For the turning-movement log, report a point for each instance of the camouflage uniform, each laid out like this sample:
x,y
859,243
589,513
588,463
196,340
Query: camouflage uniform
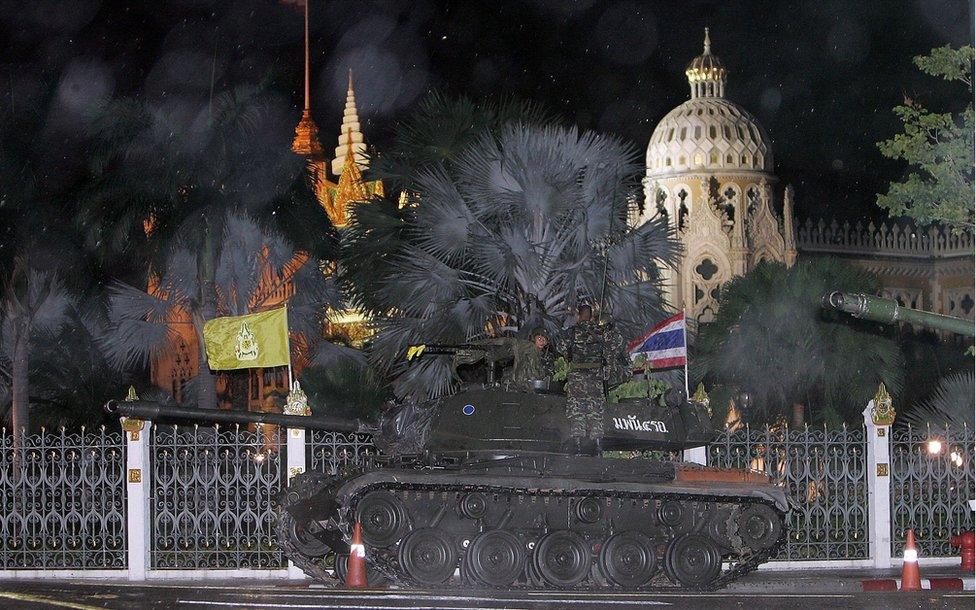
x,y
585,347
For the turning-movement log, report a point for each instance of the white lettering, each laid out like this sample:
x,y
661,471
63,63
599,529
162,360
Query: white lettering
x,y
632,423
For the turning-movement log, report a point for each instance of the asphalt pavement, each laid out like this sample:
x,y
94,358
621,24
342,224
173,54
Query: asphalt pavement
x,y
249,595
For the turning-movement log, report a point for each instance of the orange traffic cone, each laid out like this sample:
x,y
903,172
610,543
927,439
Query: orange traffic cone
x,y
911,579
356,565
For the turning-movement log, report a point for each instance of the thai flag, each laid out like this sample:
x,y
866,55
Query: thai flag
x,y
662,347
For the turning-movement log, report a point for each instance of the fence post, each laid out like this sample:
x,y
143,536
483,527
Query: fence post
x,y
137,481
698,455
878,417
296,466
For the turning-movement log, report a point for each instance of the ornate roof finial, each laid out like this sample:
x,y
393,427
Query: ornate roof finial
x,y
306,142
350,137
705,73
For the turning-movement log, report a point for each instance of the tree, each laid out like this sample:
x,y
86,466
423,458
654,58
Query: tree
x,y
509,236
244,269
434,135
938,147
773,340
951,404
34,302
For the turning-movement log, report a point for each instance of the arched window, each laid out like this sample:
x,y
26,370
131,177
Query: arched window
x,y
711,132
684,132
698,159
698,132
668,162
681,161
713,158
728,159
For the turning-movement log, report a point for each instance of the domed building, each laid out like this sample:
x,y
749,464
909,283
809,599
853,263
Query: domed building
x,y
710,171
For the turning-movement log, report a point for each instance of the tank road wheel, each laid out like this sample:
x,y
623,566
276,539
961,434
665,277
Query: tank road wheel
x,y
383,518
473,505
562,558
428,556
676,515
495,558
760,527
694,560
628,559
589,510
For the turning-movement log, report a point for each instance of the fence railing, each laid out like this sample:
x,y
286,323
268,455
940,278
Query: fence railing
x,y
64,504
209,493
824,474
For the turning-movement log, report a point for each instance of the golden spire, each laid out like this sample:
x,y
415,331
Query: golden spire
x,y
350,137
351,188
306,142
707,47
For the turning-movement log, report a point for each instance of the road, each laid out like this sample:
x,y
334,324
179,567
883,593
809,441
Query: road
x,y
202,595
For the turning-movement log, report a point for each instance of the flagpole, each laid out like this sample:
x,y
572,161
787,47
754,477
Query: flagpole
x,y
288,344
684,330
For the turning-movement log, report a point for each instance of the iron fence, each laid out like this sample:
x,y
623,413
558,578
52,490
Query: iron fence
x,y
330,451
211,499
63,501
824,474
930,487
212,491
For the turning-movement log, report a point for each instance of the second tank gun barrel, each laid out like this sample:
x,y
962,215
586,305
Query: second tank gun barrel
x,y
149,410
888,311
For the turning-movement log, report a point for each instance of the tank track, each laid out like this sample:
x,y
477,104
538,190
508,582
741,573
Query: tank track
x,y
384,561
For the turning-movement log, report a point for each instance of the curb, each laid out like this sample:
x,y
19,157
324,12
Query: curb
x,y
943,584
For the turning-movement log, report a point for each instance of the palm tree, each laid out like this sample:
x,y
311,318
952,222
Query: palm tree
x,y
772,340
511,235
434,135
248,268
154,166
34,302
951,404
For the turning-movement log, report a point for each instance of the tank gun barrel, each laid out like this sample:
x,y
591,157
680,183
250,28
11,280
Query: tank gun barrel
x,y
888,311
145,409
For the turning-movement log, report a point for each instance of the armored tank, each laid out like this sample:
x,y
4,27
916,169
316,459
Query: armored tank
x,y
476,490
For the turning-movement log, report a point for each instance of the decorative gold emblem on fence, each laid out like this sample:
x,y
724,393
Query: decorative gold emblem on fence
x,y
883,412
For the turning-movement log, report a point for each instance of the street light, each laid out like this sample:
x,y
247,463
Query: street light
x,y
934,446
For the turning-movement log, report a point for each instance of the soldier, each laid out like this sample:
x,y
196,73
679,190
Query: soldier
x,y
585,347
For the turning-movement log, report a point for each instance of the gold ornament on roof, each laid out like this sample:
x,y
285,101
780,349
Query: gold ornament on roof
x,y
131,396
883,412
297,402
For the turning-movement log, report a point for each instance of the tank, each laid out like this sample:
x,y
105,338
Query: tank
x,y
888,311
476,489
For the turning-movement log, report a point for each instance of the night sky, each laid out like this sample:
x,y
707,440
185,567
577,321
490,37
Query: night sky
x,y
821,76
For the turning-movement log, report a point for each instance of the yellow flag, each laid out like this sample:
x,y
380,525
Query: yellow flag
x,y
244,342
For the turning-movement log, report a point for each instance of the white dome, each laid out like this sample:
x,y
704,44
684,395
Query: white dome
x,y
708,132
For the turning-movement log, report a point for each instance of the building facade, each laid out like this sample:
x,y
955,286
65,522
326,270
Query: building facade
x,y
710,171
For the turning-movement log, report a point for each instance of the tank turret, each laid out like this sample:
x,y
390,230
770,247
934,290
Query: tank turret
x,y
888,311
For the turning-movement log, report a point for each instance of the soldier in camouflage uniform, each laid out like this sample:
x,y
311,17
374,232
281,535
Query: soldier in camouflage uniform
x,y
533,359
587,348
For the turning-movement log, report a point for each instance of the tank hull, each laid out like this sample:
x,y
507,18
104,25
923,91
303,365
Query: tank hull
x,y
543,521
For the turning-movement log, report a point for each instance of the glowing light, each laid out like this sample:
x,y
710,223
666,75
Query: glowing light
x,y
911,555
259,457
934,446
954,456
